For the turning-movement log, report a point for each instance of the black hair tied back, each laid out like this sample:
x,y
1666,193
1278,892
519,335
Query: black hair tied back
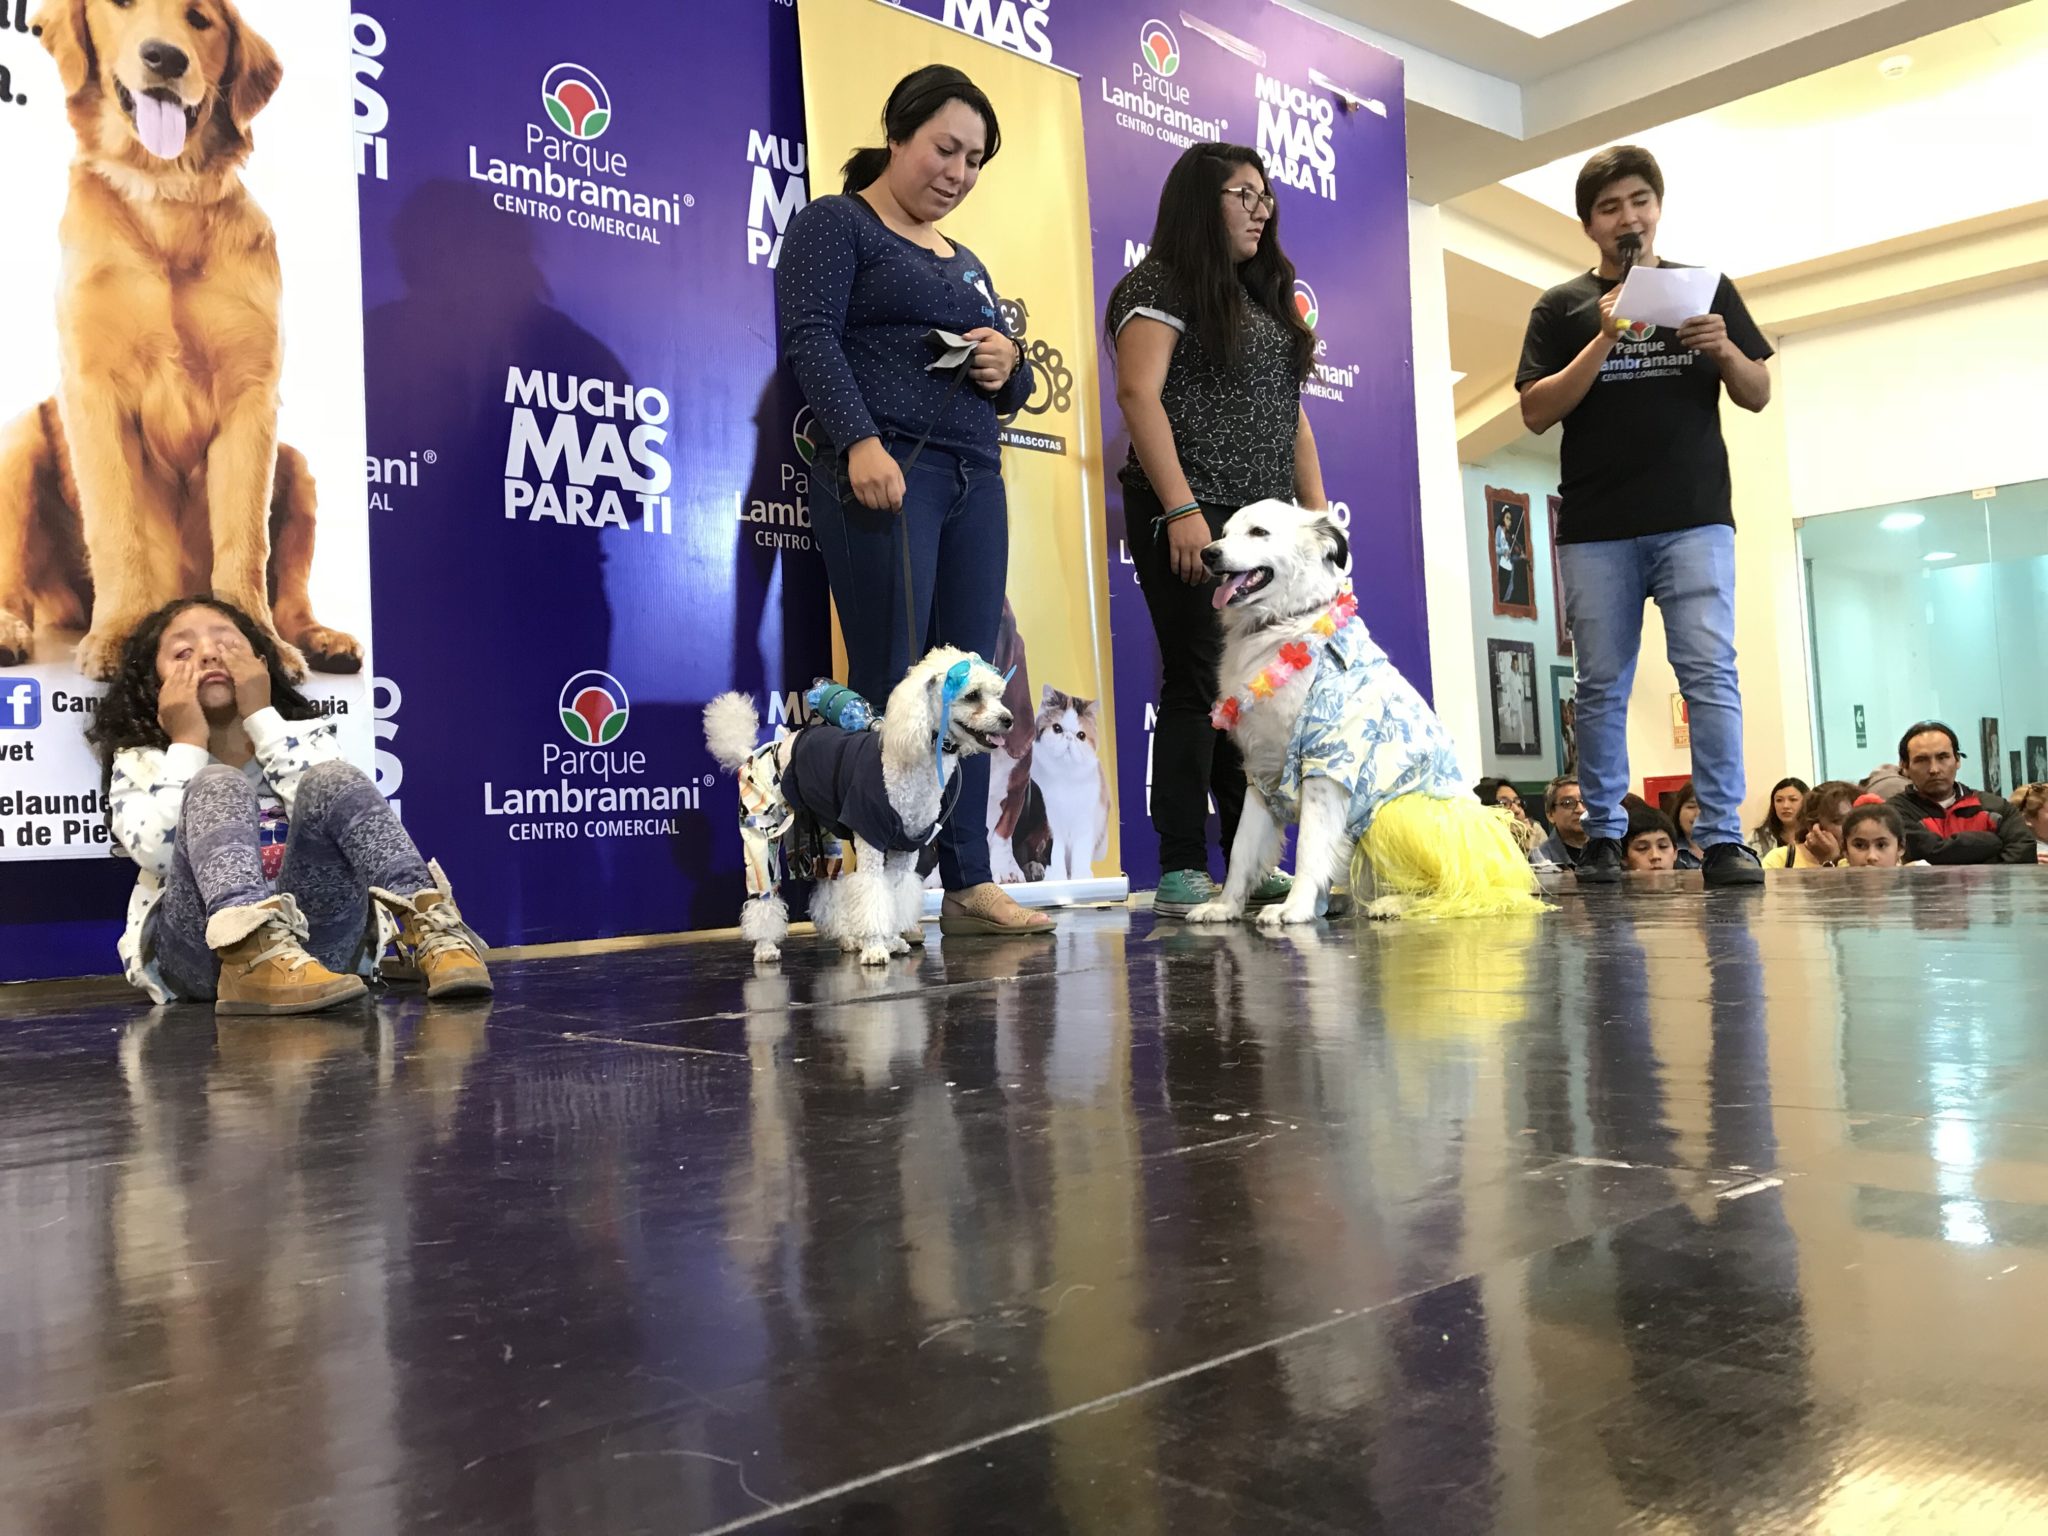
x,y
919,97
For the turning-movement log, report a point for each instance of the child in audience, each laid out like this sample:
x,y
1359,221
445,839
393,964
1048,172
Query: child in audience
x,y
1652,845
2030,804
1873,836
272,873
1817,840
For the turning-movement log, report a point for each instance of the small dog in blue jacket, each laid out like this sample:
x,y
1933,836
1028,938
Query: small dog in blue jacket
x,y
888,788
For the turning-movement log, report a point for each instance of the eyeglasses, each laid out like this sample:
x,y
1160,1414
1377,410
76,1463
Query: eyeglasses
x,y
1251,199
1569,803
1509,800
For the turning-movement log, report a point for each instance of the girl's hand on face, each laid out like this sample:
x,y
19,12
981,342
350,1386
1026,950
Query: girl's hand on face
x,y
177,705
252,677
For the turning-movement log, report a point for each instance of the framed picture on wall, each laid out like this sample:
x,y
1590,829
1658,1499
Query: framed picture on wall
x,y
1511,680
1509,565
1564,717
2037,759
2018,777
1564,626
1994,759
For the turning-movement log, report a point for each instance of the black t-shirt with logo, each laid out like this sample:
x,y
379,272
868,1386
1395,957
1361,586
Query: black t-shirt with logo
x,y
1642,452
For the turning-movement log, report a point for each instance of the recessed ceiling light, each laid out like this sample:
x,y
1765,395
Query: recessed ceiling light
x,y
1934,555
1901,522
1895,66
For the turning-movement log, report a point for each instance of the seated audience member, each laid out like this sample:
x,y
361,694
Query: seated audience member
x,y
270,872
1817,840
1565,809
1885,780
1504,794
1947,822
1873,837
1781,823
1652,842
1685,815
1528,836
2030,805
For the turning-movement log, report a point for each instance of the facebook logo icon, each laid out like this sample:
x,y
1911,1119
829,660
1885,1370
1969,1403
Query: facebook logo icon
x,y
21,704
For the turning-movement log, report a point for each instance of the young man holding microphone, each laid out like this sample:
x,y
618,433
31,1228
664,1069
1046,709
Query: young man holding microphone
x,y
1647,509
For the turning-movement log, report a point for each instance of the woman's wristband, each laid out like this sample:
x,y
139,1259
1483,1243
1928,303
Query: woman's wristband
x,y
1188,509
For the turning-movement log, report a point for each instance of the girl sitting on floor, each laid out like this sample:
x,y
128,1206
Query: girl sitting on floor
x,y
1873,836
272,872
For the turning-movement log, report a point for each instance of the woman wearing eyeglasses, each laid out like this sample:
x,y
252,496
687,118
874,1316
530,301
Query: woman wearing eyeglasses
x,y
1211,354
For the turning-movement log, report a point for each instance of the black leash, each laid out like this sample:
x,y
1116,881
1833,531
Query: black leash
x,y
910,655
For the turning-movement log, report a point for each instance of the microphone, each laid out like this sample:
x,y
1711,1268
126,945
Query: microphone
x,y
1631,248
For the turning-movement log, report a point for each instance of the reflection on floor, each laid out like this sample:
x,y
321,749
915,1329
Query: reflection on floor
x,y
1668,1212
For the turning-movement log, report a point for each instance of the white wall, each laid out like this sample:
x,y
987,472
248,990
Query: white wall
x,y
1458,692
1535,476
1869,643
1961,644
1923,402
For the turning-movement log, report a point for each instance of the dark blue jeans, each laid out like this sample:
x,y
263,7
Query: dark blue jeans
x,y
959,524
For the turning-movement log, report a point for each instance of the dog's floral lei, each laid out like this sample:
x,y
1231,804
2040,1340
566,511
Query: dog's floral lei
x,y
1295,657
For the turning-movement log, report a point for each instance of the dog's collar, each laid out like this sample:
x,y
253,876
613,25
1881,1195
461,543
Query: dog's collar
x,y
1295,657
1302,613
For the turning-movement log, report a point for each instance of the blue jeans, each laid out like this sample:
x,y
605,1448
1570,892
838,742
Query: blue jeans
x,y
959,525
1691,575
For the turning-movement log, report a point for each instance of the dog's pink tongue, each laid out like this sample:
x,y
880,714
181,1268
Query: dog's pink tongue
x,y
160,125
1229,588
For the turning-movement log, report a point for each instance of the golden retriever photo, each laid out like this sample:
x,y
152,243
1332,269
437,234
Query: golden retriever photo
x,y
156,470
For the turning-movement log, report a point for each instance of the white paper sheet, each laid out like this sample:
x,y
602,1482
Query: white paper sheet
x,y
1666,295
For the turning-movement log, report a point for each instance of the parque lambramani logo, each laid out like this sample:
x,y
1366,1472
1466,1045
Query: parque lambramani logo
x,y
577,101
1305,304
594,708
804,430
1159,47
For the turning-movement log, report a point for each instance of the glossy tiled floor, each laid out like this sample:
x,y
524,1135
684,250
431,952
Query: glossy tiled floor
x,y
1666,1213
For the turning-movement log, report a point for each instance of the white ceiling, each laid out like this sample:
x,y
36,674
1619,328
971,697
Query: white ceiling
x,y
1830,189
1488,100
1486,34
1846,158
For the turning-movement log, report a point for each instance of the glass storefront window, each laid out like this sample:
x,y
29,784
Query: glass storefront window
x,y
1933,609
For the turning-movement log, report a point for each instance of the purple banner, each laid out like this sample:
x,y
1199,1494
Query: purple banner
x,y
590,507
1325,110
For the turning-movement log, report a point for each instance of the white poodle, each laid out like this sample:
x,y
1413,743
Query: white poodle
x,y
1334,737
889,789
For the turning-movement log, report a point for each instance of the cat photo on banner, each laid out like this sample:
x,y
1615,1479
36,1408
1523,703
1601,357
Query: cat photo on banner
x,y
1049,791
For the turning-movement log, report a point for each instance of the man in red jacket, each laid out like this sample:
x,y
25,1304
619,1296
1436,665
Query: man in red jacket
x,y
1947,822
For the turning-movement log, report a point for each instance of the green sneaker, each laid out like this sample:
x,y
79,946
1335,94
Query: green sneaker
x,y
1183,890
1271,891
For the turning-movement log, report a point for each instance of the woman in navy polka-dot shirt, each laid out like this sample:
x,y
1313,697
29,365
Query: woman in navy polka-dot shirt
x,y
863,280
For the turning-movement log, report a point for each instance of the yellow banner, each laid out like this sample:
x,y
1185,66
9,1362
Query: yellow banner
x,y
1027,219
